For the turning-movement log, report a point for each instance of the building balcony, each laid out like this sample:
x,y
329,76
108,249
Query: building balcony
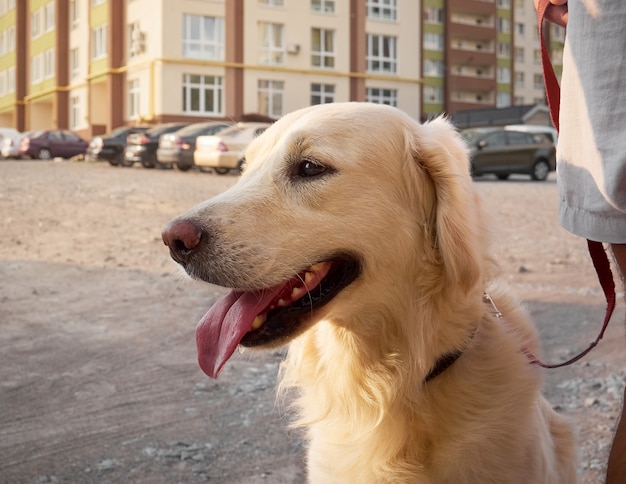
x,y
472,83
471,7
474,31
466,57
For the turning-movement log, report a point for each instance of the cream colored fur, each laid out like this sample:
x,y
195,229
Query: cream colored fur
x,y
401,197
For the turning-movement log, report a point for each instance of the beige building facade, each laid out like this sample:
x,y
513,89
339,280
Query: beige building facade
x,y
114,62
93,65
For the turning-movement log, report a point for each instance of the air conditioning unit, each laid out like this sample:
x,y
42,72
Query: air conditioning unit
x,y
293,49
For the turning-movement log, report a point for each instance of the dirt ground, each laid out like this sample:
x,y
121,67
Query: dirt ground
x,y
98,374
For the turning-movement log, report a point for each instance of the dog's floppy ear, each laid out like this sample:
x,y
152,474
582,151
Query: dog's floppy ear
x,y
442,155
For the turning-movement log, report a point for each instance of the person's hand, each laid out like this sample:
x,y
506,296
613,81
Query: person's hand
x,y
556,12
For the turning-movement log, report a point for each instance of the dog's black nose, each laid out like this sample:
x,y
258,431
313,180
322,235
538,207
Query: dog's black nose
x,y
183,238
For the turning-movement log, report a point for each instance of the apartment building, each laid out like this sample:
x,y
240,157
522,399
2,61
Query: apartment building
x,y
528,73
482,53
92,65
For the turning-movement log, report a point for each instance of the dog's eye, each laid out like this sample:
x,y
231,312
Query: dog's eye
x,y
308,169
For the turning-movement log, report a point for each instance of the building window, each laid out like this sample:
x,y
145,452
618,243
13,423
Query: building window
x,y
381,53
74,112
3,83
272,3
99,42
518,52
10,39
504,75
74,63
49,17
74,14
433,15
325,6
557,56
35,69
538,81
504,25
557,33
432,95
270,98
322,93
48,63
382,9
503,100
272,45
382,96
323,48
519,79
504,50
11,79
202,94
433,41
35,23
203,37
433,68
133,99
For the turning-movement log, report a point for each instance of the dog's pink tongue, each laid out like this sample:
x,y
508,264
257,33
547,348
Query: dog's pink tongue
x,y
222,327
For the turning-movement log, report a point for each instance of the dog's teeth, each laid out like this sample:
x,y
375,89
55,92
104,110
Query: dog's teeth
x,y
281,303
308,277
317,266
241,349
297,293
258,322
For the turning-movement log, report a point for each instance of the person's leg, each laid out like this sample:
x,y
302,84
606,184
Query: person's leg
x,y
616,468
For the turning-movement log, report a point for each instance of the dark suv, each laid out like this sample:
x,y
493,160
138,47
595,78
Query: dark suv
x,y
142,147
110,147
506,152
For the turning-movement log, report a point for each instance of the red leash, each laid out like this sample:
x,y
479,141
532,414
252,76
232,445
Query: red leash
x,y
596,249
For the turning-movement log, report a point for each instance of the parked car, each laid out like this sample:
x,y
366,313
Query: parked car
x,y
52,143
177,148
10,142
504,152
142,147
549,131
110,146
225,151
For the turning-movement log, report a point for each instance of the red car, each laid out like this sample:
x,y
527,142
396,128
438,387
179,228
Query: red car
x,y
53,143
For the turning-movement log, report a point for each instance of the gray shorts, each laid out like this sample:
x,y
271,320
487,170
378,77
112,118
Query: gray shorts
x,y
591,152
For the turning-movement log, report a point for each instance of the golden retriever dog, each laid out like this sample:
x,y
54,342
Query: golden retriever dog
x,y
355,236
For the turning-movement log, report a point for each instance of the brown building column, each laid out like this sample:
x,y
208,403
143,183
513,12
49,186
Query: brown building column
x,y
116,39
21,64
62,48
233,85
358,52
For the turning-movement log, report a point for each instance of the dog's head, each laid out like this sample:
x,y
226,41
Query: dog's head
x,y
339,204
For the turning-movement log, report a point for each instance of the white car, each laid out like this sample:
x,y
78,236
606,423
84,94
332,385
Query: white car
x,y
224,151
10,141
